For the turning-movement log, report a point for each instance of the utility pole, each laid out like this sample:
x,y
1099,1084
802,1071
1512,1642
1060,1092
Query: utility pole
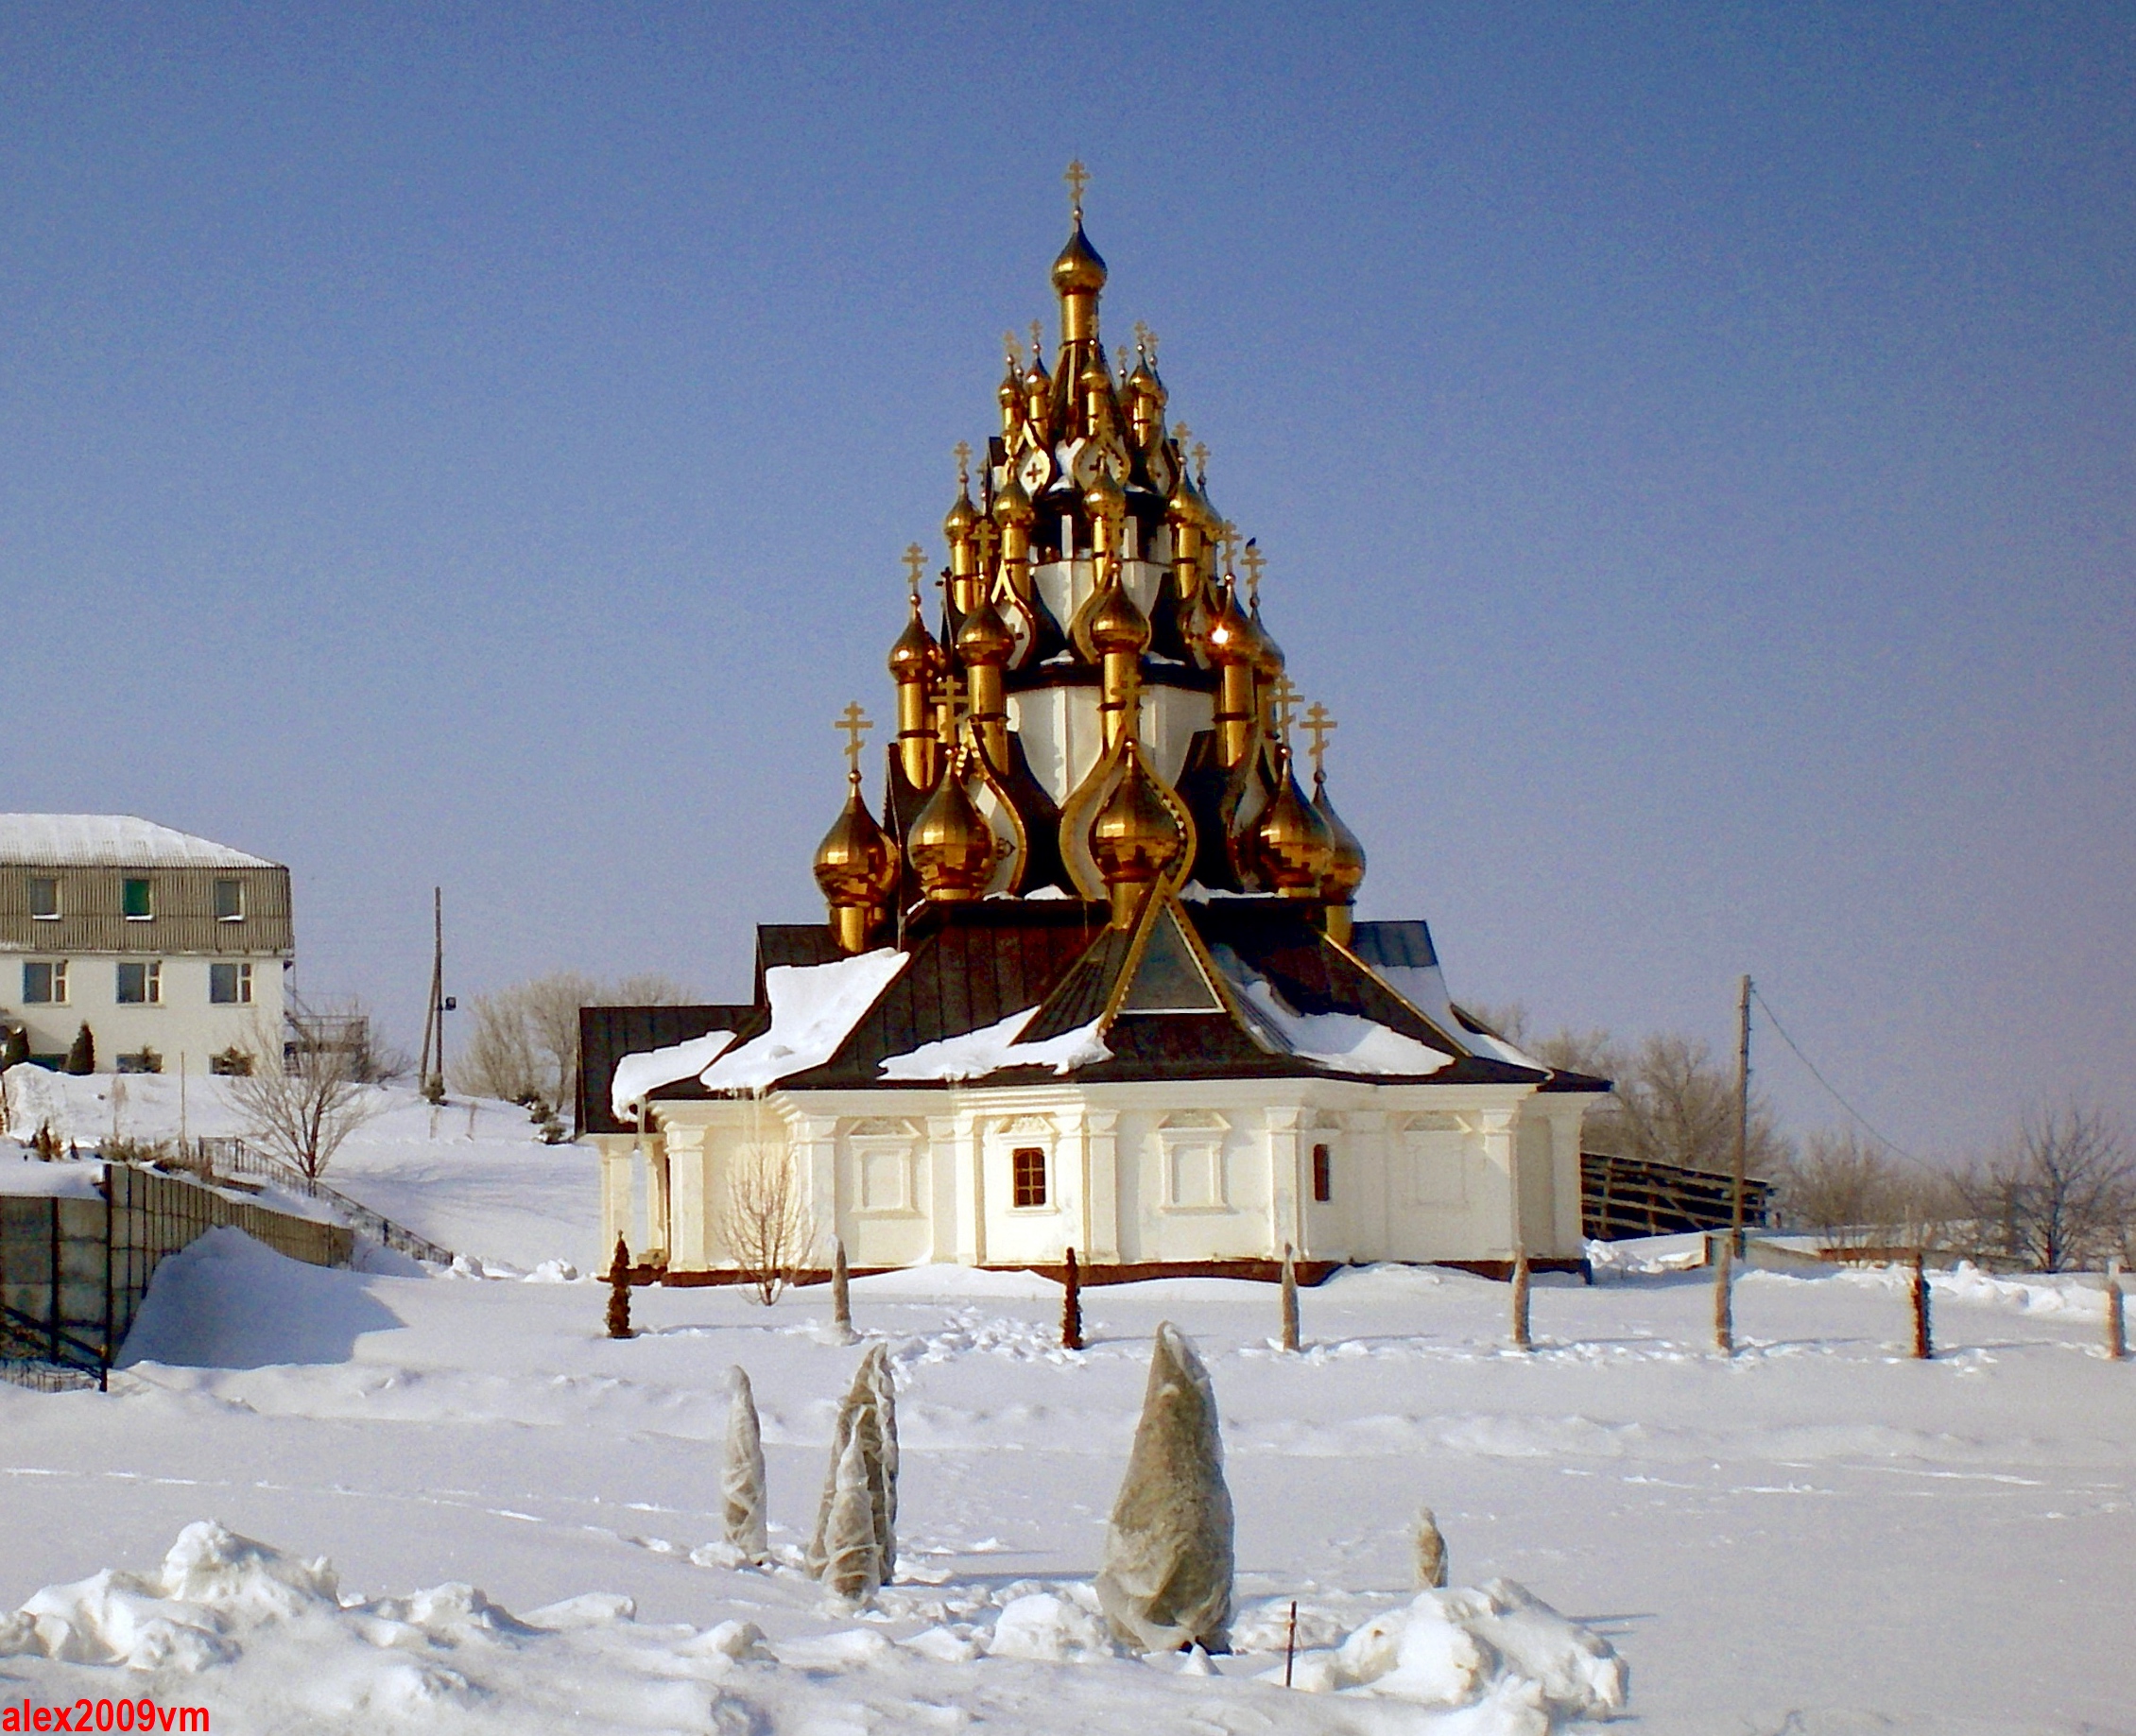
x,y
431,1070
1742,1104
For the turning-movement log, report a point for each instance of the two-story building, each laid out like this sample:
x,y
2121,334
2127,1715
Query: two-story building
x,y
170,948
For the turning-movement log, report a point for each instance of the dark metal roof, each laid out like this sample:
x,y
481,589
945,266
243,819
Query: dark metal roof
x,y
607,1034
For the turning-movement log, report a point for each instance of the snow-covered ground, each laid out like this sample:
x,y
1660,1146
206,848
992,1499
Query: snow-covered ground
x,y
1820,1536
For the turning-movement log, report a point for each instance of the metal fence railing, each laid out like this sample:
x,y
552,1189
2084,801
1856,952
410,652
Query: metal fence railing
x,y
236,1160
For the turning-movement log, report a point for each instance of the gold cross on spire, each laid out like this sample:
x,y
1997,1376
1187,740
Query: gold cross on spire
x,y
1227,534
961,451
855,724
1183,433
1253,560
1319,724
915,557
1146,342
1038,343
1077,179
957,698
1285,704
1015,353
1200,465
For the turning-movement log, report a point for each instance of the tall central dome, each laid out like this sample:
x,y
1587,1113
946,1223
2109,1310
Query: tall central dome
x,y
1090,675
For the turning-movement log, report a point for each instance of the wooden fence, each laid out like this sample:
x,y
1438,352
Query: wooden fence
x,y
1628,1196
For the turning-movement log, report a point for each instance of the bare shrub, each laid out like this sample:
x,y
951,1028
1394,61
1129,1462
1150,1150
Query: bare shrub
x,y
2061,1195
766,1222
522,1045
301,1100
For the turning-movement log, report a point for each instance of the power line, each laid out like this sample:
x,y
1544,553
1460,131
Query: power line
x,y
1890,1145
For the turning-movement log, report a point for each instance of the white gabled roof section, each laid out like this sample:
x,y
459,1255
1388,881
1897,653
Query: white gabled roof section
x,y
638,1075
992,1048
814,1008
110,840
1424,988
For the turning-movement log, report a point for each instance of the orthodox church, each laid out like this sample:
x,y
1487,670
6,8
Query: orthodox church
x,y
1091,976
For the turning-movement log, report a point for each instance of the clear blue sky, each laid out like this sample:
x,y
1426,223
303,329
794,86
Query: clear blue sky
x,y
1696,448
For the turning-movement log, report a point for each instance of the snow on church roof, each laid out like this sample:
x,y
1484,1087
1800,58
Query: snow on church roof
x,y
112,840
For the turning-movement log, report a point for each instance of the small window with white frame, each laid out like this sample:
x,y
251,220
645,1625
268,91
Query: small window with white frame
x,y
137,900
230,901
141,984
44,898
230,984
44,983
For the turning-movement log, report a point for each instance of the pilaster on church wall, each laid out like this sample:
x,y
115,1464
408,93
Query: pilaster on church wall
x,y
953,1153
618,1162
812,1141
1493,1216
688,1225
1097,1134
1356,1217
1284,1143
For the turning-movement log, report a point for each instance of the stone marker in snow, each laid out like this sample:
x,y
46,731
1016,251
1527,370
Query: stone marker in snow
x,y
1431,1553
1290,1300
2117,1317
1520,1339
1166,1581
741,1478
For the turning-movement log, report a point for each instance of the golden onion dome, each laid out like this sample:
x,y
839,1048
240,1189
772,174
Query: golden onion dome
x,y
1232,638
856,863
1079,270
985,637
1295,846
1144,382
1009,394
1267,654
916,657
1105,498
962,516
1135,836
1012,505
1346,866
951,847
1117,623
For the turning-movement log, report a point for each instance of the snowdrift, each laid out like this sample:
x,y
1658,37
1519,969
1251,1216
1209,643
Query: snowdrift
x,y
273,1642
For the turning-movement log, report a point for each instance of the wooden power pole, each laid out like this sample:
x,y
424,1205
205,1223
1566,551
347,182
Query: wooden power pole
x,y
432,1067
1742,1106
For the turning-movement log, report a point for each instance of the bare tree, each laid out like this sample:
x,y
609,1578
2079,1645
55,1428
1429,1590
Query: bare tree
x,y
524,1043
302,1098
1673,1101
766,1222
2062,1195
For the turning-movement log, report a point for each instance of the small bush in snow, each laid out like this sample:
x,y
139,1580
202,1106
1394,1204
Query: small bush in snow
x,y
1431,1552
741,1478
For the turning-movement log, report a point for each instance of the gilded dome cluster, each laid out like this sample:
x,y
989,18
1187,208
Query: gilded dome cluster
x,y
1089,576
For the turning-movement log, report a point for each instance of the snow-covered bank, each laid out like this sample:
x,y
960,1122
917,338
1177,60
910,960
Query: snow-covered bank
x,y
470,1174
269,1642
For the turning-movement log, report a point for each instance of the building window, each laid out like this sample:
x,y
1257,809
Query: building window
x,y
1026,1167
138,901
230,901
1323,1175
44,897
230,984
46,985
141,985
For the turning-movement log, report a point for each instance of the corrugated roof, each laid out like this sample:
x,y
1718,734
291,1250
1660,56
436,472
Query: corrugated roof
x,y
110,840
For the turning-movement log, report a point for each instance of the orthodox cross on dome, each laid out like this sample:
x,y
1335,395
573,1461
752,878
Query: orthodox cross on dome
x,y
956,697
1077,179
1319,724
915,557
1183,433
1200,465
1253,560
1038,342
855,724
1227,533
1010,346
1145,340
961,451
1284,704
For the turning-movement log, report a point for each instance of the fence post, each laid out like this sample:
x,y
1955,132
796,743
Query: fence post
x,y
1924,1348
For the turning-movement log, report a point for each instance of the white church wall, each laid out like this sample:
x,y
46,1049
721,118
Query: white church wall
x,y
1132,1174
